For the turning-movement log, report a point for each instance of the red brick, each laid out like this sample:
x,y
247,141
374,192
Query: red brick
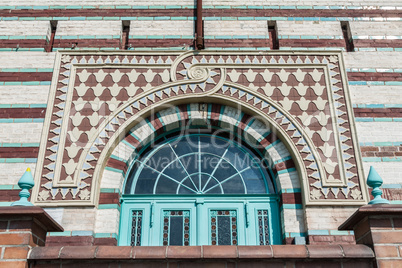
x,y
384,223
9,196
105,241
16,252
20,225
15,239
386,251
25,76
368,148
109,198
387,237
69,241
389,263
13,264
22,113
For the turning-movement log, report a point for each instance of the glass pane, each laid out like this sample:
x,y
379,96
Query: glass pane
x,y
224,171
161,158
166,186
263,226
197,162
186,145
254,181
146,181
223,227
190,163
234,185
213,145
136,228
176,228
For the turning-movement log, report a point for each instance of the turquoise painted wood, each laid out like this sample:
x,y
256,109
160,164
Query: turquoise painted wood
x,y
374,180
200,208
26,182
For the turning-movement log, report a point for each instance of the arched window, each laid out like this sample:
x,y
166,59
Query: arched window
x,y
199,189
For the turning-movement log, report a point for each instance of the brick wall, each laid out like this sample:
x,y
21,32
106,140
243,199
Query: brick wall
x,y
374,72
22,229
380,227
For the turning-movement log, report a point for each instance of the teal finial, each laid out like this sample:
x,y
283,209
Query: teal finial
x,y
25,183
375,181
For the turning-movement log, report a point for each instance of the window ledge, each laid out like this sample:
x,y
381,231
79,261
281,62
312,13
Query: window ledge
x,y
202,252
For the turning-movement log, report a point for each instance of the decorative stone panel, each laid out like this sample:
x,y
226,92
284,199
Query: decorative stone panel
x,y
97,97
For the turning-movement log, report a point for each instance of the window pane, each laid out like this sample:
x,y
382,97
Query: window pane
x,y
200,164
176,228
166,186
136,228
146,181
223,227
263,226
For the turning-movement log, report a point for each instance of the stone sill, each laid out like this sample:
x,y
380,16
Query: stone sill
x,y
202,252
370,210
18,212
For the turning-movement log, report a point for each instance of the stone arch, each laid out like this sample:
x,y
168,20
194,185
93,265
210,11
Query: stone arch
x,y
256,129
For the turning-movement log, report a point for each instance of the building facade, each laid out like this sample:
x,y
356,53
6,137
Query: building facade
x,y
204,123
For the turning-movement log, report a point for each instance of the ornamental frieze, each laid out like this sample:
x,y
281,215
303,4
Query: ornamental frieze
x,y
96,97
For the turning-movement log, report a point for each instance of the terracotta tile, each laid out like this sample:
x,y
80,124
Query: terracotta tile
x,y
113,252
143,252
78,252
223,252
289,251
324,251
181,252
251,252
357,251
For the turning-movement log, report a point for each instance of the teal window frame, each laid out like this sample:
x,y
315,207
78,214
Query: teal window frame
x,y
200,207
